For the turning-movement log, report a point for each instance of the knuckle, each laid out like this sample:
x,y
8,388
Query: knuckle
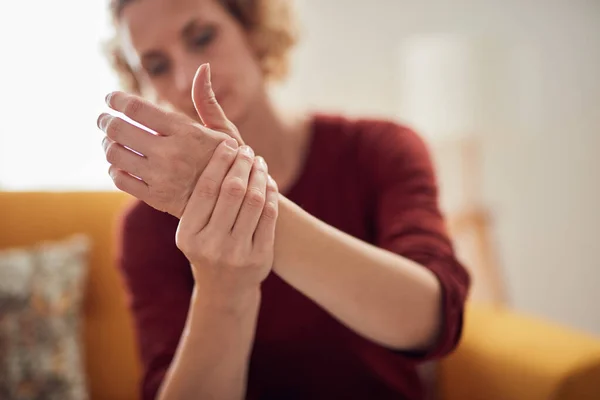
x,y
234,187
255,198
119,181
112,152
208,187
270,211
211,98
225,154
246,158
114,127
132,107
209,253
272,186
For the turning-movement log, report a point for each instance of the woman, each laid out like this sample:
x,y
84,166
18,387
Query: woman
x,y
334,283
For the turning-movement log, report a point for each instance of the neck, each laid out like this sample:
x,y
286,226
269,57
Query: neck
x,y
281,140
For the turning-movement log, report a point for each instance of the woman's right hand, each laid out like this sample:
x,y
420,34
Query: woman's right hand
x,y
227,230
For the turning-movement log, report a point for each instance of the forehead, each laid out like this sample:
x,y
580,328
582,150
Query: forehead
x,y
147,24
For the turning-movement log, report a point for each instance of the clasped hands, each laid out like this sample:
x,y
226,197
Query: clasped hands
x,y
226,201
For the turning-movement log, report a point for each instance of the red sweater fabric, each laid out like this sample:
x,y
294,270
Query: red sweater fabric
x,y
371,179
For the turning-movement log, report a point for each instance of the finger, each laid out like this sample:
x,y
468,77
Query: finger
x,y
201,204
144,112
127,183
125,159
247,219
264,236
233,191
127,134
208,108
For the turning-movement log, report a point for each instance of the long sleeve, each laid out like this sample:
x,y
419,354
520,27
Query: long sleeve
x,y
408,222
159,283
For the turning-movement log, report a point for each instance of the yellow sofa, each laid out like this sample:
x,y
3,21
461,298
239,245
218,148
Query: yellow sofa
x,y
503,355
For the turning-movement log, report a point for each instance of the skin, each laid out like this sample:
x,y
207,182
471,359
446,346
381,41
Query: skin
x,y
227,232
165,43
180,171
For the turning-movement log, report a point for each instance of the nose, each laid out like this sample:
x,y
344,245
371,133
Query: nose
x,y
184,77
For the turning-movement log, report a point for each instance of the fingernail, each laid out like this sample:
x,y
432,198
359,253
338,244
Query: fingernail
x,y
103,121
107,98
262,162
232,143
248,150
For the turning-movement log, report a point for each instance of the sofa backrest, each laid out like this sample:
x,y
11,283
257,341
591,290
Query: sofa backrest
x,y
112,367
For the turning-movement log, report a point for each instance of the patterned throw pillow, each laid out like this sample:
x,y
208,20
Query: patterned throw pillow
x,y
41,294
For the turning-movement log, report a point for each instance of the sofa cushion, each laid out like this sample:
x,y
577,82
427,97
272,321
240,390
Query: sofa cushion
x,y
41,293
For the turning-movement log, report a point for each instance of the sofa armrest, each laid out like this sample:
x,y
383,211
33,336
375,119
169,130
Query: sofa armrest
x,y
507,356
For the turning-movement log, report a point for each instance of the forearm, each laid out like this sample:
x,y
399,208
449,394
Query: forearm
x,y
213,353
382,296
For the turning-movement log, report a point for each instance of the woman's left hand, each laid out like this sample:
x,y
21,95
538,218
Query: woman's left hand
x,y
227,230
163,169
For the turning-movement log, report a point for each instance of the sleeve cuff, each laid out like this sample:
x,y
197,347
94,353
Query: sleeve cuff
x,y
454,282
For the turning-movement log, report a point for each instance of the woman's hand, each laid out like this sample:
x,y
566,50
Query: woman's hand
x,y
162,169
227,230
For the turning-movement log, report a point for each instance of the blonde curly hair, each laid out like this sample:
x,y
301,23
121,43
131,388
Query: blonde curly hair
x,y
268,23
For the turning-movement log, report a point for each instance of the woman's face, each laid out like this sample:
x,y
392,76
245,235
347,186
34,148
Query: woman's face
x,y
165,41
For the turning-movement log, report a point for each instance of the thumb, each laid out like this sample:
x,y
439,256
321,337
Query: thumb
x,y
208,108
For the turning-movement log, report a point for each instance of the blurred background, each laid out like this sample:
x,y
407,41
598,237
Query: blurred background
x,y
507,94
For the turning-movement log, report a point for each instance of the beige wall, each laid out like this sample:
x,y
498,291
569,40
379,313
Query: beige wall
x,y
541,154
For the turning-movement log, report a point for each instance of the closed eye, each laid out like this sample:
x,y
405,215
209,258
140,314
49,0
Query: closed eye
x,y
157,70
203,38
155,65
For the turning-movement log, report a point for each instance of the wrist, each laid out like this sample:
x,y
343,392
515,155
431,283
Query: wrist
x,y
226,299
